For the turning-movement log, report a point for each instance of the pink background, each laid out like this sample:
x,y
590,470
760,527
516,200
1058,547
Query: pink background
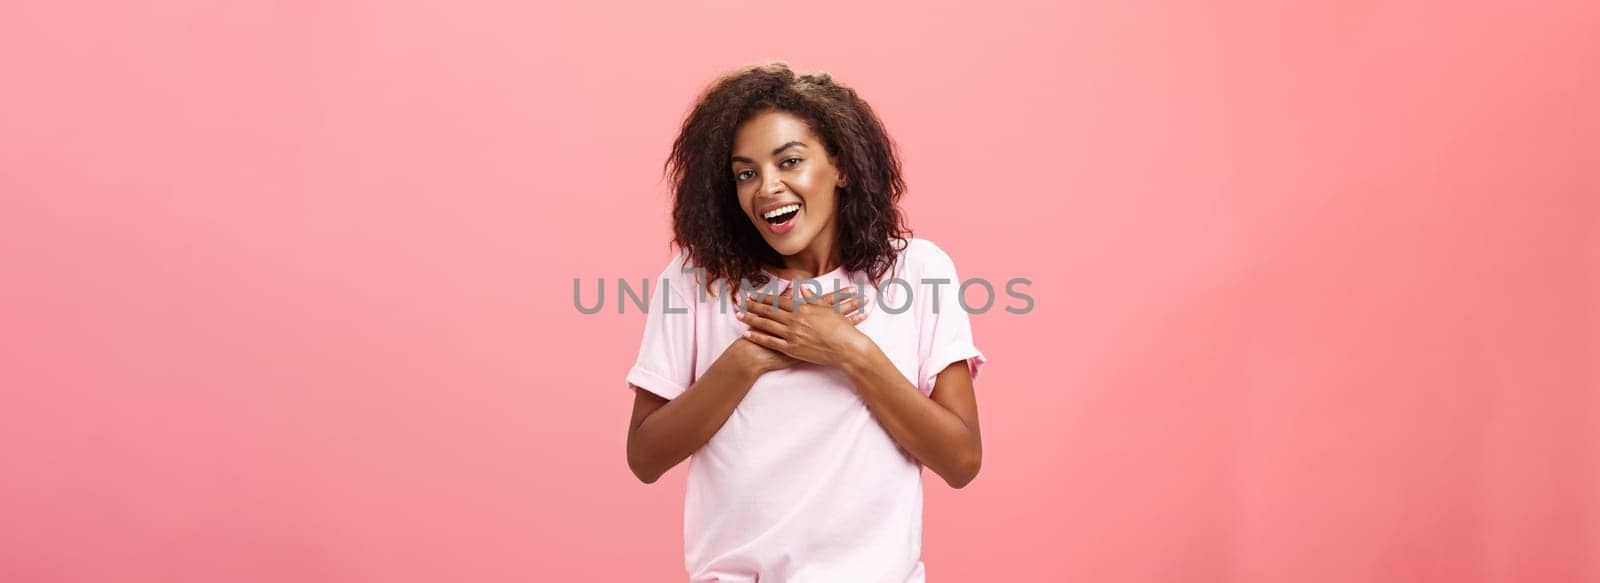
x,y
287,287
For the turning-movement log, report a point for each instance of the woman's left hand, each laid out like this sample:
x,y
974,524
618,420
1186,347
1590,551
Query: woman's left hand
x,y
813,329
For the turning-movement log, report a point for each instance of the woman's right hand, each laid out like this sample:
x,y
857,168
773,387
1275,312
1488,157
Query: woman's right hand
x,y
758,357
764,359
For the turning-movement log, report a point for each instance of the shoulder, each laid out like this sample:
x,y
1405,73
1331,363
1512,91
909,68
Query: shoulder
x,y
924,256
680,274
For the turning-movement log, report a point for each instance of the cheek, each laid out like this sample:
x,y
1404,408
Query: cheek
x,y
811,179
824,198
827,212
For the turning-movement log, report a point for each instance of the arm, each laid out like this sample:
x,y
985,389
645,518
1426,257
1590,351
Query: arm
x,y
663,433
941,432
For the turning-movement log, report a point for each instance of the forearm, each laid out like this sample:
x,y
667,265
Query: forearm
x,y
682,425
934,435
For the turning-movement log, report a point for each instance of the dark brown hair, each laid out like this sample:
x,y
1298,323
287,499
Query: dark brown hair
x,y
707,220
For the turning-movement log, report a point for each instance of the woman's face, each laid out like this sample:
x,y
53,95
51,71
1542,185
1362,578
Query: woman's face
x,y
785,181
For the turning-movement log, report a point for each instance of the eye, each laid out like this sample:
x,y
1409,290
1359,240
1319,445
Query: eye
x,y
740,175
786,161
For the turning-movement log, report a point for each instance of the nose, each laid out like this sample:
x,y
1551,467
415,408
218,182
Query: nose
x,y
773,184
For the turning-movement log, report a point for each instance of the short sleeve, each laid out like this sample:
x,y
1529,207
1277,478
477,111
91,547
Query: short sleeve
x,y
944,329
665,365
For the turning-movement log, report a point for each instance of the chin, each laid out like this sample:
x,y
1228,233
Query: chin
x,y
788,246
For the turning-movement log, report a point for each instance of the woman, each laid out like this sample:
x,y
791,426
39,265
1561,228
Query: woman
x,y
808,415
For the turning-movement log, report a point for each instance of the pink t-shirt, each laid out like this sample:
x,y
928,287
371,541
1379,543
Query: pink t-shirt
x,y
801,484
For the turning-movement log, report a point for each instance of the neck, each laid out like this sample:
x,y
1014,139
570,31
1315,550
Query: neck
x,y
813,261
804,265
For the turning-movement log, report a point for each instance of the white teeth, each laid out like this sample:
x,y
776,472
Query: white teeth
x,y
780,210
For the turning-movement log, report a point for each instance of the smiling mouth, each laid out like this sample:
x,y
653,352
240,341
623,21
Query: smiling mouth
x,y
782,223
784,217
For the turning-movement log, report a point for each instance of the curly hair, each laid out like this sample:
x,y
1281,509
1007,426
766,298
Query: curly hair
x,y
707,221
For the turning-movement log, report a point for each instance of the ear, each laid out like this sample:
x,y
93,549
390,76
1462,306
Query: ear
x,y
844,181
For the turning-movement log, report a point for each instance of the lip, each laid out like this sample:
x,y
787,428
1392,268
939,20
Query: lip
x,y
764,210
785,226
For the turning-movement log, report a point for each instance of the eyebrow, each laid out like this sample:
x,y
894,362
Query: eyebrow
x,y
791,144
